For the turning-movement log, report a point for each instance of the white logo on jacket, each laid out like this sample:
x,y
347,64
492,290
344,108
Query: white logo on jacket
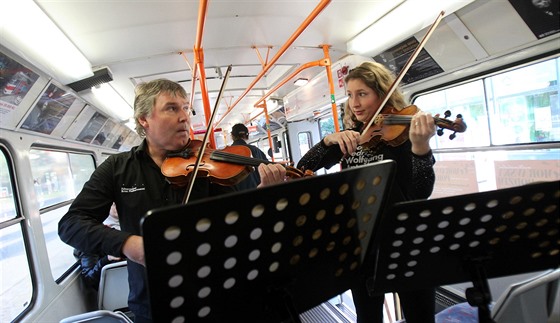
x,y
132,189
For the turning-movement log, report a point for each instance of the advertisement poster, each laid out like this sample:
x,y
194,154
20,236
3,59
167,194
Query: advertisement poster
x,y
92,128
15,82
512,173
116,137
130,141
396,57
49,110
105,133
454,177
542,16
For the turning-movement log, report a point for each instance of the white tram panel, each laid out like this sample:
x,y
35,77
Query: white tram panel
x,y
314,98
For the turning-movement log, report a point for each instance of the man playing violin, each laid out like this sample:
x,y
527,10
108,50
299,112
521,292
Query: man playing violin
x,y
134,181
366,86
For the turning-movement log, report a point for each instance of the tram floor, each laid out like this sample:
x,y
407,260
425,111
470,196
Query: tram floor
x,y
337,310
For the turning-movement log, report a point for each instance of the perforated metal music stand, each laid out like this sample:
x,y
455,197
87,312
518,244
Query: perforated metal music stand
x,y
263,255
471,237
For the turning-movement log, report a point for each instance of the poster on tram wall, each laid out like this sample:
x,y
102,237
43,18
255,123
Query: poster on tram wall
x,y
454,177
541,16
52,106
396,57
512,173
16,82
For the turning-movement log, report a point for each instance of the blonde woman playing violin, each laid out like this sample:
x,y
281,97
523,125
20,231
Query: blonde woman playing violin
x,y
366,87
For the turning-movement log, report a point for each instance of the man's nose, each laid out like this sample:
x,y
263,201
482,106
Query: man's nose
x,y
185,115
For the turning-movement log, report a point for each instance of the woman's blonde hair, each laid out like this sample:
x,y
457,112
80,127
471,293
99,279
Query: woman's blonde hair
x,y
378,78
145,98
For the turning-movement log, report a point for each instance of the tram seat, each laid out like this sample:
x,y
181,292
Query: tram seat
x,y
113,287
531,300
100,316
112,297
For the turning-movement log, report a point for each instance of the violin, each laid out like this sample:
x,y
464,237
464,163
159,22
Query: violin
x,y
391,126
227,166
178,166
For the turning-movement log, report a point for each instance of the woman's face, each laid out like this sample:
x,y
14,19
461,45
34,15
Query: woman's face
x,y
363,101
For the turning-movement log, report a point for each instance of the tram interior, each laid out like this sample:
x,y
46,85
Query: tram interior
x,y
485,61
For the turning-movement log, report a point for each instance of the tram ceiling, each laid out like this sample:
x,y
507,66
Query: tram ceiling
x,y
157,42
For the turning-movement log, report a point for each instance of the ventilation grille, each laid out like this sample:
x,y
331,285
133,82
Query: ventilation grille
x,y
99,77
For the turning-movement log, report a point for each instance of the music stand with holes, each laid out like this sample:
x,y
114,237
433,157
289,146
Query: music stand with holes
x,y
264,255
472,237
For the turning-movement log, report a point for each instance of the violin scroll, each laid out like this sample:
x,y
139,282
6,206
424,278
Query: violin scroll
x,y
391,126
456,126
293,172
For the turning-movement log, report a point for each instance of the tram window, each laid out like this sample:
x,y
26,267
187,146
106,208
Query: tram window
x,y
16,288
524,104
81,167
326,126
504,113
58,177
304,140
277,149
7,202
515,107
264,146
467,100
286,150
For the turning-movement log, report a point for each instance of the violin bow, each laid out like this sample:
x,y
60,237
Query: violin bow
x,y
206,136
405,68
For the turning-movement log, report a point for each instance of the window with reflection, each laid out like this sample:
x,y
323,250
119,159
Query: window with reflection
x,y
523,104
513,130
304,140
16,288
326,125
465,101
514,107
58,176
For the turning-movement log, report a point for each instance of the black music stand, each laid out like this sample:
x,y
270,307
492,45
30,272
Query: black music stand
x,y
472,237
263,255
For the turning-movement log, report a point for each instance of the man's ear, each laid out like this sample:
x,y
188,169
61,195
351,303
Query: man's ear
x,y
143,122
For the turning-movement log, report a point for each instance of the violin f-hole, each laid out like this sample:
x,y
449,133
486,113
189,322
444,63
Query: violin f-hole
x,y
192,166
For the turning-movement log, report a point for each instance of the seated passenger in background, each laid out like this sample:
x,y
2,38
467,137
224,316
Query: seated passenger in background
x,y
240,135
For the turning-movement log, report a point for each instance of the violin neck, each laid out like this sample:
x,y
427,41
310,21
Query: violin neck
x,y
389,119
237,159
398,119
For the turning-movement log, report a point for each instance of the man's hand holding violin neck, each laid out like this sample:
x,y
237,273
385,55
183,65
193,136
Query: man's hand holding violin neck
x,y
271,174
